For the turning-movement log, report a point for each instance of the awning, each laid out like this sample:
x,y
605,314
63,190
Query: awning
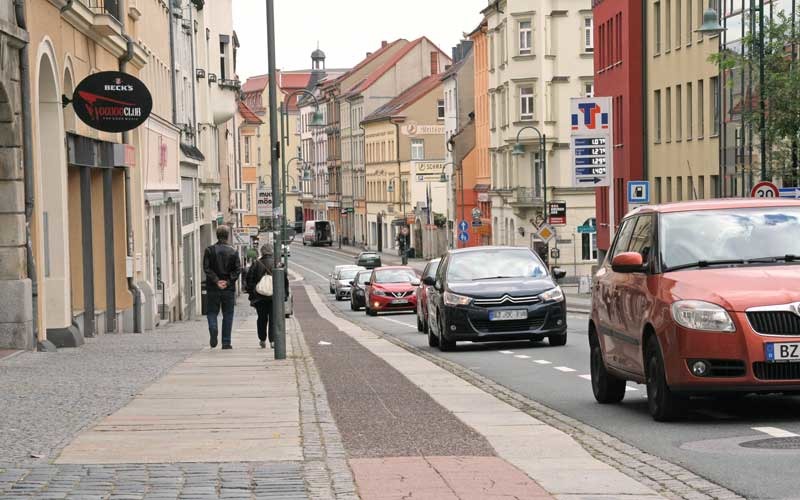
x,y
192,152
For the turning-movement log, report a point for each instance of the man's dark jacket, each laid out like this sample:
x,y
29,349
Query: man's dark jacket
x,y
221,263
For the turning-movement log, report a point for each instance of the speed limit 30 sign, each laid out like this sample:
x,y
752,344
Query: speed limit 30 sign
x,y
765,190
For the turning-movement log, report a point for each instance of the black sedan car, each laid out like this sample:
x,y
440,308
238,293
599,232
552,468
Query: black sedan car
x,y
485,294
368,260
358,289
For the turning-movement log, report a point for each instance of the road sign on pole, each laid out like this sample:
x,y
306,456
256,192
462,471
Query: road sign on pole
x,y
463,226
765,190
463,236
790,192
638,192
546,233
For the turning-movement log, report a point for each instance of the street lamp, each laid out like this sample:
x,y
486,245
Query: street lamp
x,y
519,150
711,27
390,189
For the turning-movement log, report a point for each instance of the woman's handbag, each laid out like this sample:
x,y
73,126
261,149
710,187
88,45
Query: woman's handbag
x,y
264,286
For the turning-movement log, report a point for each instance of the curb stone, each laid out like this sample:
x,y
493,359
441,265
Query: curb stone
x,y
666,478
325,468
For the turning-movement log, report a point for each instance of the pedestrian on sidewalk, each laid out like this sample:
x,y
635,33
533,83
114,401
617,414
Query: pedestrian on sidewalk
x,y
262,303
222,268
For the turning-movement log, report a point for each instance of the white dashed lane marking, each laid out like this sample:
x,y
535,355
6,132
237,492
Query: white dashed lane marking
x,y
542,362
775,432
587,377
522,356
565,369
506,352
400,323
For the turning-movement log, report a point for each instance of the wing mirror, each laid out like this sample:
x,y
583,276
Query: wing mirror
x,y
367,283
559,273
351,283
628,262
415,283
429,280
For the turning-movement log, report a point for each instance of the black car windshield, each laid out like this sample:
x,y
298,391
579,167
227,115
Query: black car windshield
x,y
348,274
395,276
363,277
433,268
498,263
742,234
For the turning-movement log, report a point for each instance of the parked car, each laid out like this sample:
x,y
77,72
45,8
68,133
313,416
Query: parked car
x,y
699,298
369,260
422,295
391,288
344,277
358,290
317,233
334,273
494,293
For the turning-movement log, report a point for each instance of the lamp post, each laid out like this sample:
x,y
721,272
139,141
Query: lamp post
x,y
519,150
711,27
390,189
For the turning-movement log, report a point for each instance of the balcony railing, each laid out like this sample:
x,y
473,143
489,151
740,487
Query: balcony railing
x,y
110,7
524,196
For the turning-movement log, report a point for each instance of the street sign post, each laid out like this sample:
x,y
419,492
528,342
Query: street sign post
x,y
463,236
546,233
638,192
790,192
463,226
765,190
587,229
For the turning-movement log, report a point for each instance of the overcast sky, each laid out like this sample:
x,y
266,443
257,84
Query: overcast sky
x,y
346,29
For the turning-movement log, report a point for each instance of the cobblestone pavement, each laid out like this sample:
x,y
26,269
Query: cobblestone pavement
x,y
278,481
47,398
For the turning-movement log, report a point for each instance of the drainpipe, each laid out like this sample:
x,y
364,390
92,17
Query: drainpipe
x,y
27,165
126,139
172,62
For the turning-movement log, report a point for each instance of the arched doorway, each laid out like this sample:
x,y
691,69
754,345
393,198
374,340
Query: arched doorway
x,y
53,220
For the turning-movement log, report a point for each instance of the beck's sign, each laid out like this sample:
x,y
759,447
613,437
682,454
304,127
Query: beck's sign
x,y
112,101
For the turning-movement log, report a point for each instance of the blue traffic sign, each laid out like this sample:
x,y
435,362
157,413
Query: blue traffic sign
x,y
790,192
463,226
463,236
638,192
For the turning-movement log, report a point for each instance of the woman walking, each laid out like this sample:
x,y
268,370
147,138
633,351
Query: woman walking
x,y
261,303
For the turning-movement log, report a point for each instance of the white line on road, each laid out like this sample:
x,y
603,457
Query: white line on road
x,y
587,377
629,388
310,270
565,369
542,362
522,356
775,432
506,352
400,323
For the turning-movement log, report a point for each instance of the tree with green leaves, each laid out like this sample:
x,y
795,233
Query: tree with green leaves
x,y
781,91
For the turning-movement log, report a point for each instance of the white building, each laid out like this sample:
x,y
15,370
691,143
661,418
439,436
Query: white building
x,y
540,55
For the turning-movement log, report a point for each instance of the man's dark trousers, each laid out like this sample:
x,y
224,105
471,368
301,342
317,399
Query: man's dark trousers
x,y
221,300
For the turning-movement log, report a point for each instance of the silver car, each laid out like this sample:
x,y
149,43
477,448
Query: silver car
x,y
332,276
342,287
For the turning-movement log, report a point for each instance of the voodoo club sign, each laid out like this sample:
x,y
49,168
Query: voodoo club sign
x,y
112,101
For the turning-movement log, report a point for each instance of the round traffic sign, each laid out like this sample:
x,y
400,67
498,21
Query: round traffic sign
x,y
463,236
463,225
765,190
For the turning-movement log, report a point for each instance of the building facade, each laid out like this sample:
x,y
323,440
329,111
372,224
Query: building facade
x,y
540,55
483,175
16,316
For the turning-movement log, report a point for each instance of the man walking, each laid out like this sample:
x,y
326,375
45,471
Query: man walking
x,y
222,268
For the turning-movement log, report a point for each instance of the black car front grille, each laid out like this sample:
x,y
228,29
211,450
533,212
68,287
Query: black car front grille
x,y
522,325
776,371
507,300
775,322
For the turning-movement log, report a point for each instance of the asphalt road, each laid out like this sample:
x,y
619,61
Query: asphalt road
x,y
708,442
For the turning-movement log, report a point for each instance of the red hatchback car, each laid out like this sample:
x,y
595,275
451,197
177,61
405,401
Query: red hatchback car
x,y
391,288
699,298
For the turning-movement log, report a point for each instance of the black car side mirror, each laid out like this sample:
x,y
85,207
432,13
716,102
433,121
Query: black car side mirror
x,y
429,280
559,273
415,283
351,283
366,283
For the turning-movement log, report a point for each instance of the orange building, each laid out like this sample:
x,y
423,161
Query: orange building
x,y
483,171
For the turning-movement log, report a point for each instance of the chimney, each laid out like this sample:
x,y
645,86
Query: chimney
x,y
369,54
384,43
434,62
